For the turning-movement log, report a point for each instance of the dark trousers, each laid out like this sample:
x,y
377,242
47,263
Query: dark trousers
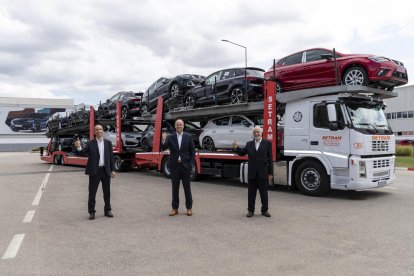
x,y
177,174
94,180
263,186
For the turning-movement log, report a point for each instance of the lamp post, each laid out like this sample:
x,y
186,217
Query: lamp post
x,y
246,97
245,50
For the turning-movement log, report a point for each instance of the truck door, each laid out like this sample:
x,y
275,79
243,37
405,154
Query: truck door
x,y
334,144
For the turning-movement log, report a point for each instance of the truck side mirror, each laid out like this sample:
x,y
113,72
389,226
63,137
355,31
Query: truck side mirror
x,y
333,120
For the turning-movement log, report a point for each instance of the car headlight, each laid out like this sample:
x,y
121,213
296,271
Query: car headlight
x,y
362,169
378,59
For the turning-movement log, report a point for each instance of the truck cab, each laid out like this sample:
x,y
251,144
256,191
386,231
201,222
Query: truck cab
x,y
338,141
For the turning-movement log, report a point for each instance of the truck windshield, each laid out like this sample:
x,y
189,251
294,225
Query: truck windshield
x,y
368,117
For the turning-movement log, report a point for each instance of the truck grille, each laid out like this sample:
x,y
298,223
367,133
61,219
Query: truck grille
x,y
381,163
380,146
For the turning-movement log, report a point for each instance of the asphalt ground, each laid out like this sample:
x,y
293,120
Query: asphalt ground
x,y
344,233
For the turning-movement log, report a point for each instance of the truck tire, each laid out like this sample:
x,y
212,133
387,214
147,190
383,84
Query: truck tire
x,y
118,164
194,174
165,168
56,159
62,160
311,178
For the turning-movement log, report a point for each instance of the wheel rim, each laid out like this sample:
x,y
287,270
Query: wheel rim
x,y
208,144
124,113
118,164
354,77
310,179
174,90
236,96
189,102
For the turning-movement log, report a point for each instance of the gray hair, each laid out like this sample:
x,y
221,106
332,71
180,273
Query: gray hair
x,y
258,128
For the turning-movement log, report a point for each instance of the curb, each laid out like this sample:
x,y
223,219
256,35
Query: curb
x,y
404,169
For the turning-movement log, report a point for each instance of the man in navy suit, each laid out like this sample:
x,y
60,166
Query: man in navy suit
x,y
182,154
100,168
260,169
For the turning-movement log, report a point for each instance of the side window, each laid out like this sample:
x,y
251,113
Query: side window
x,y
240,121
211,79
314,55
227,74
222,121
293,59
151,88
320,116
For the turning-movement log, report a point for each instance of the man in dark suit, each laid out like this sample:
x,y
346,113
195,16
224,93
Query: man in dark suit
x,y
100,168
260,169
182,154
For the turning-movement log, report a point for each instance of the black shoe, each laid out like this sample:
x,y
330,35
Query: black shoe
x,y
250,214
91,216
109,214
266,214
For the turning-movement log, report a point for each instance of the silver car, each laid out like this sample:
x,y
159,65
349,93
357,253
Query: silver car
x,y
130,136
220,133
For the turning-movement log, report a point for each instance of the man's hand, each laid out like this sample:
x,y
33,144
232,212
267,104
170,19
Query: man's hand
x,y
270,179
235,144
112,174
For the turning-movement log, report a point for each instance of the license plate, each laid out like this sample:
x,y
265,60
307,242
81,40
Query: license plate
x,y
382,183
18,125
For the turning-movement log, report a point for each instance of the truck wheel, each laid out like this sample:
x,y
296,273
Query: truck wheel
x,y
311,179
208,144
56,159
118,164
165,168
355,76
194,174
62,160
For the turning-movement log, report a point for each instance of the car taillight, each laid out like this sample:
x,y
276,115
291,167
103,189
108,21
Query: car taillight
x,y
251,78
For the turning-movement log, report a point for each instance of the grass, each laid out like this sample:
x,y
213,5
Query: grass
x,y
405,162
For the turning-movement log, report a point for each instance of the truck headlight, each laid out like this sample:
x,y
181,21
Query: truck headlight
x,y
362,169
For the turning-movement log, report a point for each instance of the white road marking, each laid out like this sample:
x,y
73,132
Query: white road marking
x,y
29,216
392,188
38,196
14,246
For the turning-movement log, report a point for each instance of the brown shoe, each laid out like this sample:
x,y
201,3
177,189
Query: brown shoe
x,y
189,212
173,212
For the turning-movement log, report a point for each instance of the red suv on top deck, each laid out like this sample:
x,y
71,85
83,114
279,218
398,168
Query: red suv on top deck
x,y
316,68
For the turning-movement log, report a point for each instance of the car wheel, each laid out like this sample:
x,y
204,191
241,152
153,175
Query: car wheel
x,y
189,102
165,168
208,144
124,112
355,76
144,109
278,88
174,90
311,178
118,164
236,96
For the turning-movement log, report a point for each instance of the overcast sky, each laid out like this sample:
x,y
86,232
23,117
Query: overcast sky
x,y
89,50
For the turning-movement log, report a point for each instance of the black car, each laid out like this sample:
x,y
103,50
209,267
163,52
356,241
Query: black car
x,y
168,127
227,86
80,116
168,88
35,122
130,105
58,120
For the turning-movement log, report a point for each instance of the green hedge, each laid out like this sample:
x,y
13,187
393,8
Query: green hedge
x,y
405,151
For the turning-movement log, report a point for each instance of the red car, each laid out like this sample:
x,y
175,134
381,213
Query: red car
x,y
316,68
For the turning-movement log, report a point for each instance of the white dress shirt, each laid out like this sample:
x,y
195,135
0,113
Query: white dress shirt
x,y
257,143
101,152
179,138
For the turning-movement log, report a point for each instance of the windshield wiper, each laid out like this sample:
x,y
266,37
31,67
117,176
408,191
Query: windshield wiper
x,y
368,124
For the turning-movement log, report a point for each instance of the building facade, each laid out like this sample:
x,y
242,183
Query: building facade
x,y
400,111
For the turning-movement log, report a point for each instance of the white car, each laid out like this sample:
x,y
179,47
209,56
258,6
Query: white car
x,y
220,133
130,136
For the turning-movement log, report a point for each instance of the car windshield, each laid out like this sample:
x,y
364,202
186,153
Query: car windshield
x,y
368,117
257,120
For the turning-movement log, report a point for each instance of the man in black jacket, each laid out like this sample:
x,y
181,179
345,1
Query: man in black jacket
x,y
100,168
182,154
260,169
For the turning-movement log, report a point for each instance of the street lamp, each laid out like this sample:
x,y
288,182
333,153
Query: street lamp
x,y
246,96
245,50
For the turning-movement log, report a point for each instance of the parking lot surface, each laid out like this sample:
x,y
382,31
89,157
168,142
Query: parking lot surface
x,y
45,229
